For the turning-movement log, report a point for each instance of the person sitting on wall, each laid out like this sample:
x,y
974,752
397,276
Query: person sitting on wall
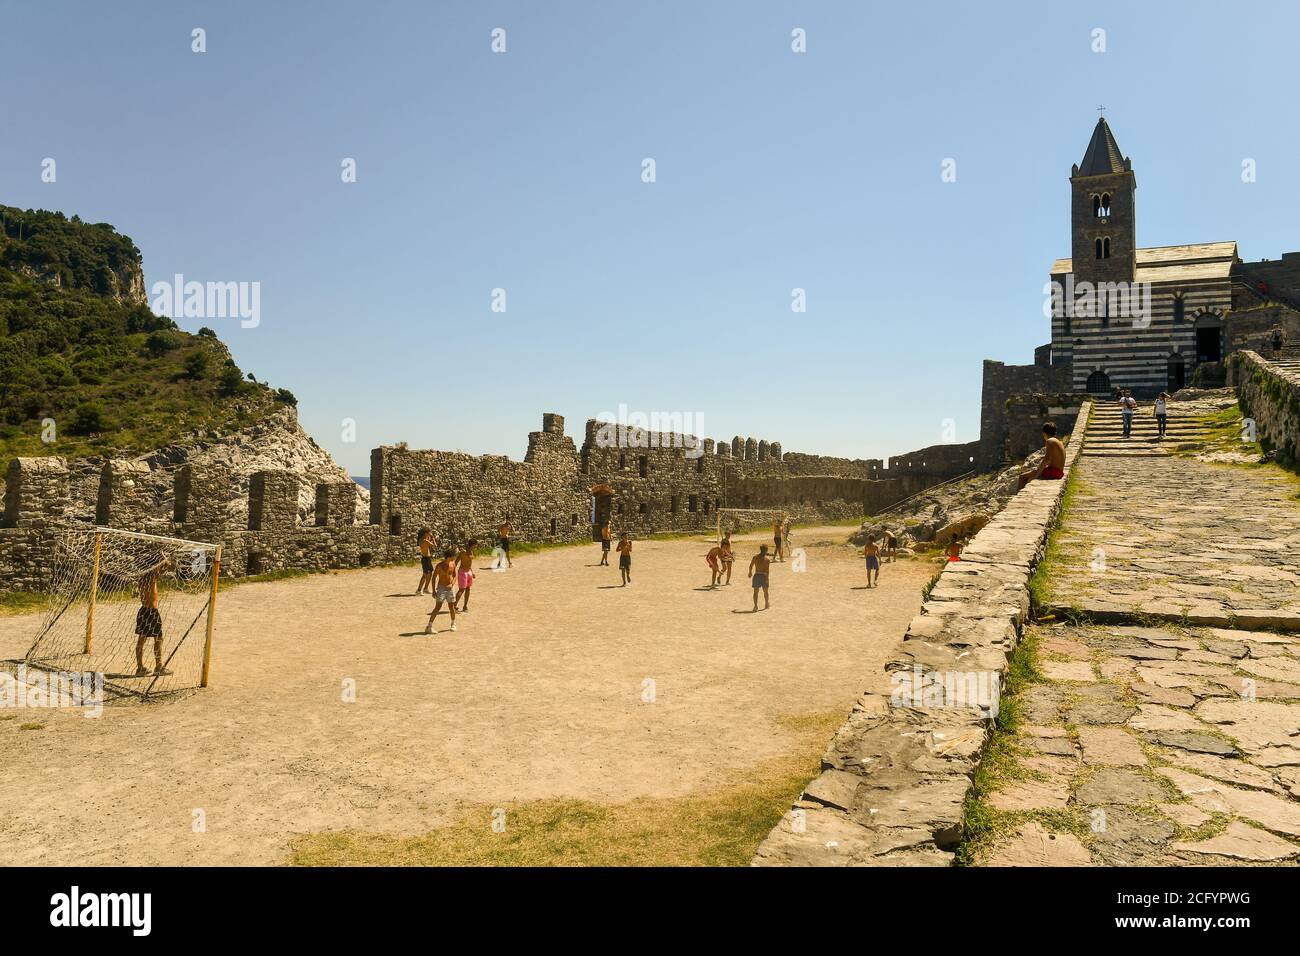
x,y
1052,467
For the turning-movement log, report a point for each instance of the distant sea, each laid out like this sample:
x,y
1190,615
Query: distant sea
x,y
362,480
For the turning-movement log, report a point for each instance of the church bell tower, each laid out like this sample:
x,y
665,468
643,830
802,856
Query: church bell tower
x,y
1103,244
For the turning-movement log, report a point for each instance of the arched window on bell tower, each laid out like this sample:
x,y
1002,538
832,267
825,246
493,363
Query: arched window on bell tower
x,y
1098,248
1104,210
1096,206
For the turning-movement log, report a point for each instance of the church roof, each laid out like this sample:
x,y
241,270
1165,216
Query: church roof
x,y
1103,156
1196,260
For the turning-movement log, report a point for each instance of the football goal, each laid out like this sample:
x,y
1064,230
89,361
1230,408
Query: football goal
x,y
731,520
137,608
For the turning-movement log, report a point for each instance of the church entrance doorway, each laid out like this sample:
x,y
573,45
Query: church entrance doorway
x,y
1208,346
1098,383
1177,372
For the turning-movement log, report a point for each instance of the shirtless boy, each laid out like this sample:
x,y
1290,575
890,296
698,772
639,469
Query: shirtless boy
x,y
871,551
148,620
776,540
606,535
427,543
1052,467
444,575
465,573
714,560
759,568
625,558
728,558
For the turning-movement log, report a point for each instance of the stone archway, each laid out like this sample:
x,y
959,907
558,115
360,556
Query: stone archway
x,y
1098,383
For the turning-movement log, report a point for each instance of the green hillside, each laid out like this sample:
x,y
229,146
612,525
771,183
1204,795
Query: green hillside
x,y
77,347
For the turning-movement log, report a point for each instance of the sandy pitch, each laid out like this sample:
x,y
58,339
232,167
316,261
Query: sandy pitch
x,y
538,694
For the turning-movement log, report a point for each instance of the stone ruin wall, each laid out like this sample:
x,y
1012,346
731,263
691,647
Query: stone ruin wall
x,y
1269,394
660,483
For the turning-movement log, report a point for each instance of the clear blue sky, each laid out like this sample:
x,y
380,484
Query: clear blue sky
x,y
523,171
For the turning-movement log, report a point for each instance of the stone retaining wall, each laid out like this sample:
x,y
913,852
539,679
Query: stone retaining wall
x,y
1270,395
895,777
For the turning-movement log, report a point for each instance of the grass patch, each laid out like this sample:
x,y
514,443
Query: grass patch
x,y
1056,554
22,602
719,828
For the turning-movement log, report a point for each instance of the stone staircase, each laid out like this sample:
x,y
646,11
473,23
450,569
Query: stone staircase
x,y
1106,432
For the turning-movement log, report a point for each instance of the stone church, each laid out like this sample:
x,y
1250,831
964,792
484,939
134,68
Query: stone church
x,y
1156,317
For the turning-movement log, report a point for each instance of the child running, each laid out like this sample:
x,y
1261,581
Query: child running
x,y
443,577
759,568
871,551
606,533
465,573
427,543
625,558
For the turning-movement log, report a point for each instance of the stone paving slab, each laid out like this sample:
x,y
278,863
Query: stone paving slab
x,y
1151,776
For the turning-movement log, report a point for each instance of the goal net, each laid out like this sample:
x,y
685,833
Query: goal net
x,y
137,608
733,520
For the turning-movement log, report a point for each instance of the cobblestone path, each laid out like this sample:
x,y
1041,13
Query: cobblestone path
x,y
1166,731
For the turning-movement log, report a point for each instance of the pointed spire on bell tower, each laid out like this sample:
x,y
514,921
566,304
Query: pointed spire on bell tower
x,y
1102,215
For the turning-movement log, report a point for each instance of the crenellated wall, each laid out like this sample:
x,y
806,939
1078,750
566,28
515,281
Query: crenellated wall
x,y
645,482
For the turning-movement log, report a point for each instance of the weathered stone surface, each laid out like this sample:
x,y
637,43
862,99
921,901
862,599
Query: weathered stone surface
x,y
1033,845
1184,814
1031,795
1123,837
1191,740
1254,724
1223,768
1279,814
1118,787
1099,712
834,788
1155,717
1168,696
1242,842
1050,745
1110,746
1067,670
1042,704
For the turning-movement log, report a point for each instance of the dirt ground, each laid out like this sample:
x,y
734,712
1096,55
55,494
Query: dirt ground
x,y
538,694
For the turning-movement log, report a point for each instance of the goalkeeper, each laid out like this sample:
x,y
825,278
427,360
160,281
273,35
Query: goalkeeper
x,y
148,620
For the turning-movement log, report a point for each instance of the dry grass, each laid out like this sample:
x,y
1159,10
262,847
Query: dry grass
x,y
718,828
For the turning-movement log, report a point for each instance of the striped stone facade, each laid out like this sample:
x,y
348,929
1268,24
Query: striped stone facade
x,y
1155,344
1130,317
